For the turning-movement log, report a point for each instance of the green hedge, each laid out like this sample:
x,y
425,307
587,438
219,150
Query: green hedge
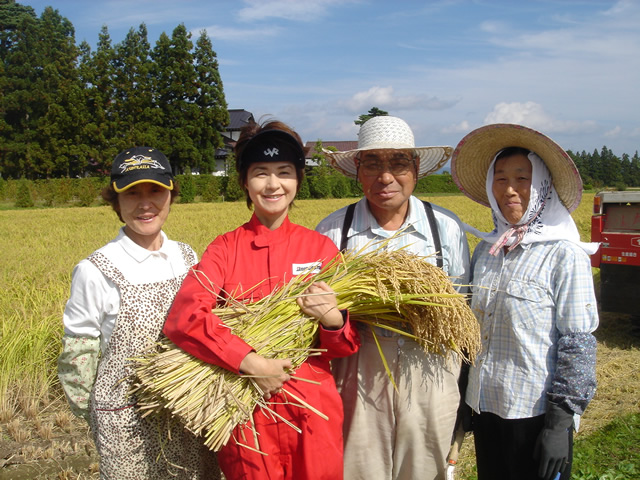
x,y
85,192
437,184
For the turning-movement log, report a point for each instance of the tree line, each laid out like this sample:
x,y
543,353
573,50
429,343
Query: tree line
x,y
604,169
66,111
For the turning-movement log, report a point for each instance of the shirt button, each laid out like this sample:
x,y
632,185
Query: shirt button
x,y
400,342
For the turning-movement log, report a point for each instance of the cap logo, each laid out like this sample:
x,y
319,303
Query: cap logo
x,y
271,152
138,162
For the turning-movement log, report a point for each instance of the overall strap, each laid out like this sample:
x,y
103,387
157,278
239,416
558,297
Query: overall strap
x,y
348,218
108,269
434,232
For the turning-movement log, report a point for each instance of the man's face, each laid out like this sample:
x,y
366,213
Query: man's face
x,y
388,178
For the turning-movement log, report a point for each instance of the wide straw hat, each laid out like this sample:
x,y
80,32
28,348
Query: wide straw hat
x,y
385,132
475,152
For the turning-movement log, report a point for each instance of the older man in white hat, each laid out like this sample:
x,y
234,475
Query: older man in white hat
x,y
403,433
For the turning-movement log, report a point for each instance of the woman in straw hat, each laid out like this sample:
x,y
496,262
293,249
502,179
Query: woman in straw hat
x,y
250,263
120,296
400,431
533,296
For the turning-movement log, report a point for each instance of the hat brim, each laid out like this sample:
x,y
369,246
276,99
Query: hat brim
x,y
431,159
121,186
475,152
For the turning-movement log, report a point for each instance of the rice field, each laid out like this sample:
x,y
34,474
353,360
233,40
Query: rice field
x,y
38,249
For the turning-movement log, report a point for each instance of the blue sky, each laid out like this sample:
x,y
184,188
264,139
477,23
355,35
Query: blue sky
x,y
569,68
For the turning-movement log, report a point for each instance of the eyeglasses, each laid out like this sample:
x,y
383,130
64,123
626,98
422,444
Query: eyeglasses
x,y
397,166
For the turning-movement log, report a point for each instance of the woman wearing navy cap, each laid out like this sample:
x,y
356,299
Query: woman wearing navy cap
x,y
119,299
250,263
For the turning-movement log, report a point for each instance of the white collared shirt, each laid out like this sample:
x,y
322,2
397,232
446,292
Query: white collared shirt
x,y
94,301
416,236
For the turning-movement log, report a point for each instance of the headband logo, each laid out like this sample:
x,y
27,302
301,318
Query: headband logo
x,y
271,152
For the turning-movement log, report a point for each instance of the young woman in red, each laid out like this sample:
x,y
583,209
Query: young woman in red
x,y
250,263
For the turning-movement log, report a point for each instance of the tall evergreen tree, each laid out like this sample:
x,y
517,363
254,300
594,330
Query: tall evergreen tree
x,y
212,113
175,91
61,147
635,170
586,167
611,167
11,15
136,117
42,105
98,76
582,165
597,169
21,92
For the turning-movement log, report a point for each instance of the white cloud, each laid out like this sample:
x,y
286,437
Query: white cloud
x,y
618,132
304,10
462,127
529,113
492,26
609,33
385,98
614,132
532,115
246,35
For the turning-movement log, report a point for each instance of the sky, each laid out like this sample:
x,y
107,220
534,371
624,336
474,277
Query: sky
x,y
568,68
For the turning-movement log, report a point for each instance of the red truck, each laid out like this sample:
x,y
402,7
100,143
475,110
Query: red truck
x,y
616,225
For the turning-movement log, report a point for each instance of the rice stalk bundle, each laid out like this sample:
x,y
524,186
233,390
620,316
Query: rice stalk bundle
x,y
394,290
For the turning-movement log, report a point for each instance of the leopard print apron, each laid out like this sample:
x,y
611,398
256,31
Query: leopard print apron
x,y
132,447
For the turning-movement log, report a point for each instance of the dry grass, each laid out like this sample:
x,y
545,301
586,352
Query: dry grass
x,y
38,249
618,372
618,377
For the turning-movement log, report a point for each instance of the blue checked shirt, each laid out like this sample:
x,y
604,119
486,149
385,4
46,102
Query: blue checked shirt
x,y
537,309
416,236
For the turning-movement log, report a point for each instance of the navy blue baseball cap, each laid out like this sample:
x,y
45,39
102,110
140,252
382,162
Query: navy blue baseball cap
x,y
141,164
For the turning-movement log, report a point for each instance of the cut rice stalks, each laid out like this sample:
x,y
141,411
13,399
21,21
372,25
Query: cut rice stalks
x,y
393,290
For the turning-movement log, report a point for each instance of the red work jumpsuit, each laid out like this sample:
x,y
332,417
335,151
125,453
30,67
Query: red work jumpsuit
x,y
235,263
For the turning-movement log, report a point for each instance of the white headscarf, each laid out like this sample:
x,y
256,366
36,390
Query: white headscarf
x,y
546,217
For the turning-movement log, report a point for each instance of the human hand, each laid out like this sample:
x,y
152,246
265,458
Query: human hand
x,y
552,445
319,301
270,374
464,417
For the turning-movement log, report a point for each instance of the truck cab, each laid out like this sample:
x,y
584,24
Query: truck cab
x,y
616,225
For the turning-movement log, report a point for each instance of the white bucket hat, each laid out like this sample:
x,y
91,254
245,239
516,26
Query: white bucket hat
x,y
385,132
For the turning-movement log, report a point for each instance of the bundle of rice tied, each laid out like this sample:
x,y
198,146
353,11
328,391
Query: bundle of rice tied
x,y
395,290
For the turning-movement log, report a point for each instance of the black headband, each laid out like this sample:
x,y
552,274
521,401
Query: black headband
x,y
271,146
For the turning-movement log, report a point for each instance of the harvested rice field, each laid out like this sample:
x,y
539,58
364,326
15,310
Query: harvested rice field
x,y
40,439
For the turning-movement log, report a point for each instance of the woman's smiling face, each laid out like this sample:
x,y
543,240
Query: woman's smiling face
x,y
144,208
272,186
512,186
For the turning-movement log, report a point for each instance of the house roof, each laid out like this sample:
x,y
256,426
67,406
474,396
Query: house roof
x,y
340,145
238,118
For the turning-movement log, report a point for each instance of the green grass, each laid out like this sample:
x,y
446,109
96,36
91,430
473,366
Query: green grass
x,y
611,453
